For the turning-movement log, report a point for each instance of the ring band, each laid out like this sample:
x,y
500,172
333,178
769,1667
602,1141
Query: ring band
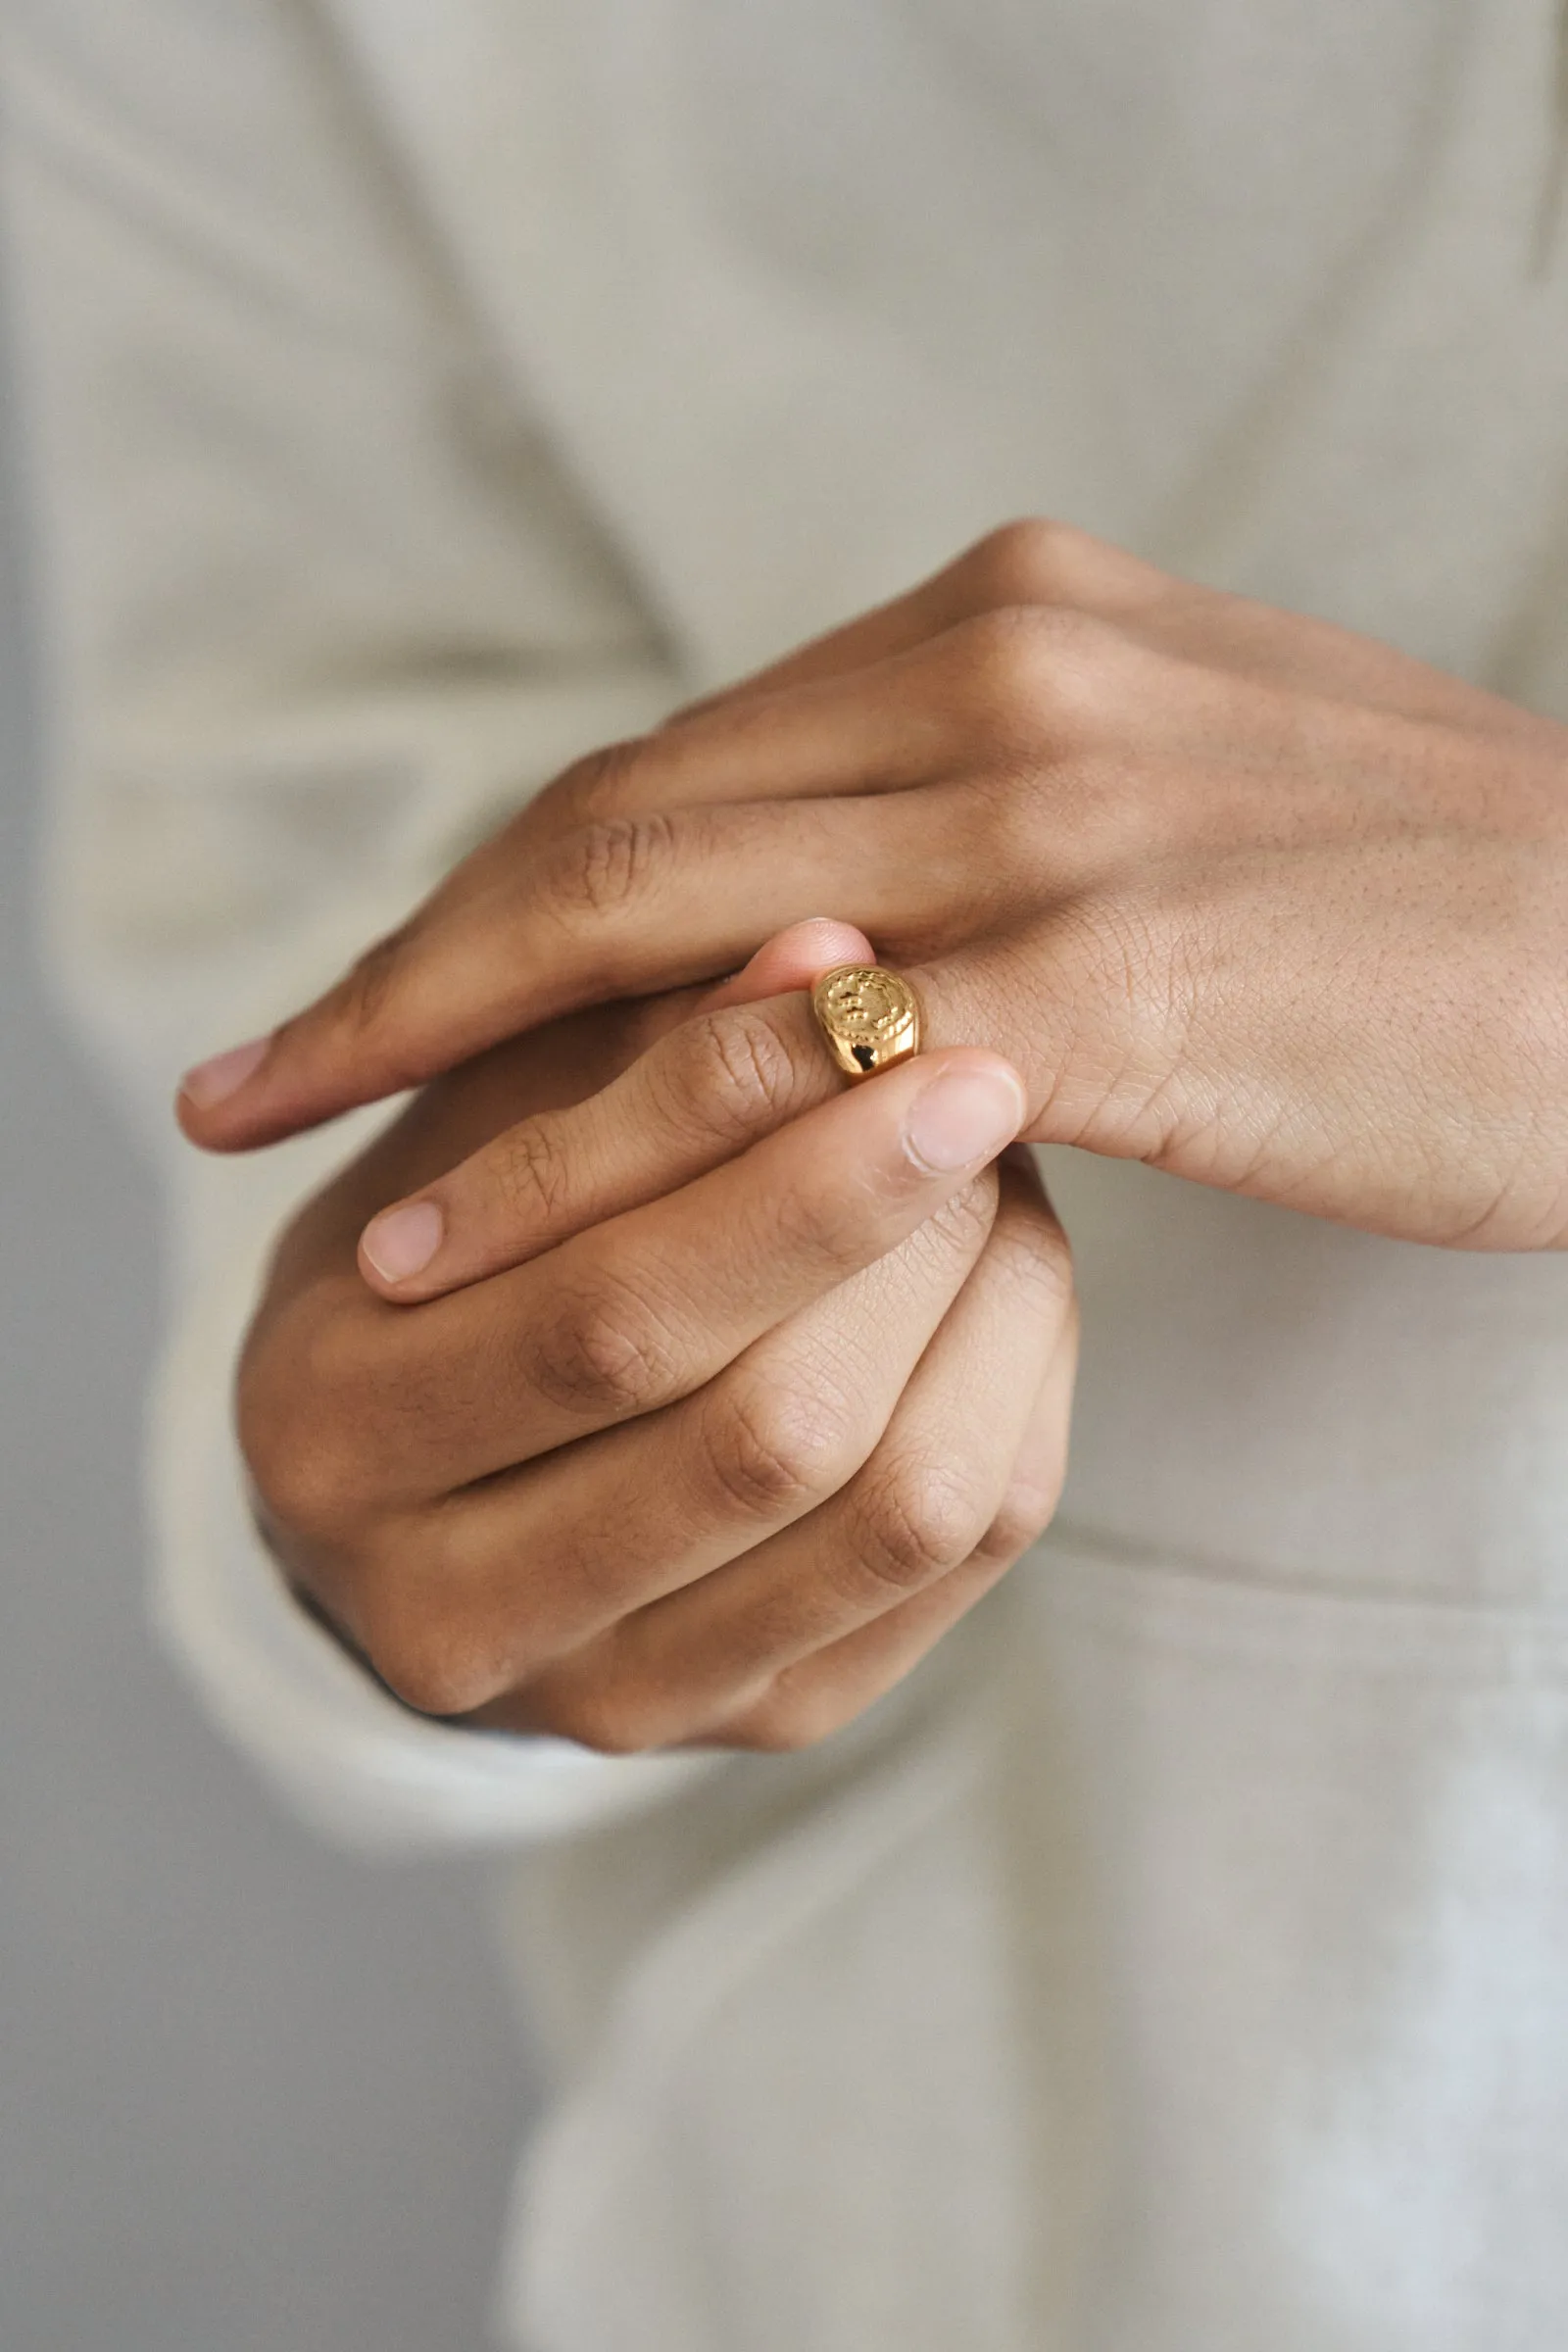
x,y
869,1017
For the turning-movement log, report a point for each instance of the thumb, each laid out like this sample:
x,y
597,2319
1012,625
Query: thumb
x,y
792,959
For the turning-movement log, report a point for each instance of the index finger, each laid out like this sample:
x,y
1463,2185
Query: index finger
x,y
617,907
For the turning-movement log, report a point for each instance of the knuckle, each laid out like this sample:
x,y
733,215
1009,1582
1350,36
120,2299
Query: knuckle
x,y
368,998
1006,658
950,1242
771,1451
611,861
1094,667
365,996
1020,1519
436,1672
789,1718
959,1225
920,1521
836,1224
605,1353
307,1457
733,1075
608,1717
597,784
302,1477
1025,668
1036,560
528,1172
1025,562
436,1657
1039,1262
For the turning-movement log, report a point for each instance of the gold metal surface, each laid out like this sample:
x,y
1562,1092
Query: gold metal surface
x,y
869,1017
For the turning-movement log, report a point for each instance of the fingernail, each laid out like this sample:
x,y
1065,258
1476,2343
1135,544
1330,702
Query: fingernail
x,y
963,1116
403,1241
215,1081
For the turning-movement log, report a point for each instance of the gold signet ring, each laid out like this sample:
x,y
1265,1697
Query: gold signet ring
x,y
869,1017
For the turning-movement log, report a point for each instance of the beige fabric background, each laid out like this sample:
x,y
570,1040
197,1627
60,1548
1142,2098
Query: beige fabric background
x,y
1294,1677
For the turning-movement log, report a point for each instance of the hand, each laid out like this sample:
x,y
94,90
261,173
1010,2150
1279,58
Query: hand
x,y
1242,896
720,1469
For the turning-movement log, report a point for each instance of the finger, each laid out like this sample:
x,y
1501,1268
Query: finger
x,y
872,735
725,1078
722,1079
679,868
792,960
815,1697
619,909
682,867
1042,562
794,1417
682,864
622,1320
935,1489
1034,561
879,727
695,1097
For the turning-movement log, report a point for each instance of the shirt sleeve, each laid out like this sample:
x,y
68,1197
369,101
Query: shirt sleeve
x,y
318,609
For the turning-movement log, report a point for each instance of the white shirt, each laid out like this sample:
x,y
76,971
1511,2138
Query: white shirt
x,y
1178,1964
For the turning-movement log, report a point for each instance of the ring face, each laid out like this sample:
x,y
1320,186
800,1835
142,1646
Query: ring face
x,y
869,1017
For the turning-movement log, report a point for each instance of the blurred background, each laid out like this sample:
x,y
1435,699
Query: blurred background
x,y
255,2096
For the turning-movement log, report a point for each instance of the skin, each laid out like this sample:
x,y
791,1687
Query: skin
x,y
1261,902
710,1460
1242,895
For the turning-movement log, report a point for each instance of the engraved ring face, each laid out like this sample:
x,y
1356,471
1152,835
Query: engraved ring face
x,y
869,1017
